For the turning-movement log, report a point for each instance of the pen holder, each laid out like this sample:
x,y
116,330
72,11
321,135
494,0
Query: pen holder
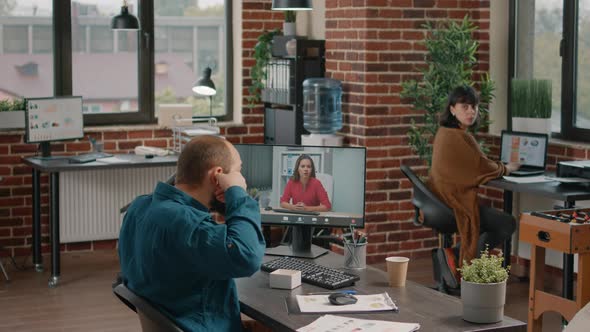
x,y
355,255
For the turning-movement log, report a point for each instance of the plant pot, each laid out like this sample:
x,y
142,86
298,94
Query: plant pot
x,y
289,28
483,303
532,125
12,120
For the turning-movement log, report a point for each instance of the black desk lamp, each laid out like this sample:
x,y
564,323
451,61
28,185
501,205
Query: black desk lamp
x,y
125,21
204,86
291,5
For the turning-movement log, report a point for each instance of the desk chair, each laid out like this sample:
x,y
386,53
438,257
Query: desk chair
x,y
431,212
151,319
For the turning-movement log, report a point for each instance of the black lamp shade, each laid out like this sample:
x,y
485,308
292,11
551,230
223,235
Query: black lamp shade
x,y
291,5
204,86
125,21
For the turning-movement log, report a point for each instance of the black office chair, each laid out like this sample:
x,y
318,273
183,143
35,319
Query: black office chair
x,y
150,318
436,215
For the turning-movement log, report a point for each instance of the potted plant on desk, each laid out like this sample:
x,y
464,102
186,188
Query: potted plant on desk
x,y
12,113
483,288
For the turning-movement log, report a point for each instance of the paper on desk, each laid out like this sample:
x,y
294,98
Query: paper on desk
x,y
321,303
569,179
528,179
347,324
112,160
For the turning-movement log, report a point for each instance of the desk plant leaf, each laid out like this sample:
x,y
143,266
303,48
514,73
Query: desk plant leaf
x,y
450,62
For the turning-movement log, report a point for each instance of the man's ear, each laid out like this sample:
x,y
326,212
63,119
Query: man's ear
x,y
213,174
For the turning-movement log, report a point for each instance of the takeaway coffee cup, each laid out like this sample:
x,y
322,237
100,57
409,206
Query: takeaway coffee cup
x,y
397,269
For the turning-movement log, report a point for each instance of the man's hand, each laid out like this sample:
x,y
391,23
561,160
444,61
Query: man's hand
x,y
511,167
230,179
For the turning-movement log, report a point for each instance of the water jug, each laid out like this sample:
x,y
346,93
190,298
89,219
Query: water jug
x,y
322,105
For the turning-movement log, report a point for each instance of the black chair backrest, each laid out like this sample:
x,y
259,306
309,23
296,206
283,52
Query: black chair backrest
x,y
151,319
435,213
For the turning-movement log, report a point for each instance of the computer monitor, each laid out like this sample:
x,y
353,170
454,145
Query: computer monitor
x,y
53,119
328,192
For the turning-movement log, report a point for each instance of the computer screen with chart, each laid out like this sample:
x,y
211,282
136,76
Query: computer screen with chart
x,y
53,119
305,186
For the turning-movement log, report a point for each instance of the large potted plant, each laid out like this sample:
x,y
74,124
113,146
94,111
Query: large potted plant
x,y
450,62
530,104
483,288
12,113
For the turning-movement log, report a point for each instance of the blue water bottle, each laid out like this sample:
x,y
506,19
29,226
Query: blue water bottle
x,y
322,105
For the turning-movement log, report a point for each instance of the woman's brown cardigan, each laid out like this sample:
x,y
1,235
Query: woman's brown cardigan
x,y
458,168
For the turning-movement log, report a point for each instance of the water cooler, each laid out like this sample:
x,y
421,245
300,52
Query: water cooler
x,y
322,111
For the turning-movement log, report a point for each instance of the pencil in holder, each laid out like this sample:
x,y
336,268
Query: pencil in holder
x,y
355,255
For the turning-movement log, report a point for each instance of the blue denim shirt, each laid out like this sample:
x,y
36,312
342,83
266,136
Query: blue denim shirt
x,y
176,256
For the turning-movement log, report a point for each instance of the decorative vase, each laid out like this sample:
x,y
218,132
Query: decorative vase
x,y
291,47
532,125
289,28
12,120
483,303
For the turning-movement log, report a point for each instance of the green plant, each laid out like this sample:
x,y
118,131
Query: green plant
x,y
486,269
530,98
290,16
7,105
262,54
450,62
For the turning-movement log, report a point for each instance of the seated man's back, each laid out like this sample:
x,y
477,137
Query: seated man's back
x,y
175,255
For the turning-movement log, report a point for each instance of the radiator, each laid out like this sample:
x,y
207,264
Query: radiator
x,y
89,201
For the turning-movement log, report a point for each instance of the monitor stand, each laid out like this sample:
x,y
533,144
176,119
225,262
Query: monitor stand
x,y
300,245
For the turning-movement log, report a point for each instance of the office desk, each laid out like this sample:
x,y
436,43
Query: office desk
x,y
418,304
568,194
54,167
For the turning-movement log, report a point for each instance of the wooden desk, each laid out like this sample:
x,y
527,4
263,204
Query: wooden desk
x,y
54,167
433,310
568,194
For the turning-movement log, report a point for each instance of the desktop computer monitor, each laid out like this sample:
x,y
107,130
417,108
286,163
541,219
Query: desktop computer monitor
x,y
305,187
53,119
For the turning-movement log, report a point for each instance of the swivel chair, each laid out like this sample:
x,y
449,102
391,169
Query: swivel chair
x,y
150,318
431,212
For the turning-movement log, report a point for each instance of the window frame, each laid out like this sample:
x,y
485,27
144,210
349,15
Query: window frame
x,y
62,60
568,52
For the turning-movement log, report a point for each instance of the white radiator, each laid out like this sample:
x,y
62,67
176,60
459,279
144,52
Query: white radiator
x,y
89,201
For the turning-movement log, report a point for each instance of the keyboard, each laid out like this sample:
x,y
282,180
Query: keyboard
x,y
309,213
88,157
312,273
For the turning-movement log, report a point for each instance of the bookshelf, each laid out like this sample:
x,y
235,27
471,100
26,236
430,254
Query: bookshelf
x,y
283,92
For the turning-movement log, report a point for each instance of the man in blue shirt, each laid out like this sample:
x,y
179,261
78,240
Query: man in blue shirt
x,y
176,256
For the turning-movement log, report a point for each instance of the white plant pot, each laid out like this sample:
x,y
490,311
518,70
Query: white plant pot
x,y
483,303
532,125
12,120
289,28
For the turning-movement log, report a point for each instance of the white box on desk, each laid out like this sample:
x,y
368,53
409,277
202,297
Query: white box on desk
x,y
285,279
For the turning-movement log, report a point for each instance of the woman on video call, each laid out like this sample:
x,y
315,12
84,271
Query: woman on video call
x,y
458,168
304,191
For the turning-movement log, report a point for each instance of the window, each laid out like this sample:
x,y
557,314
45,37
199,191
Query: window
x,y
552,44
26,47
115,71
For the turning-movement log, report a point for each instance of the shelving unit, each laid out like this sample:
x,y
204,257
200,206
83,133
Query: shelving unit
x,y
283,94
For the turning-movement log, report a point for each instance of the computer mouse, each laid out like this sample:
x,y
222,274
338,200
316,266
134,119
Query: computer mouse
x,y
268,208
342,299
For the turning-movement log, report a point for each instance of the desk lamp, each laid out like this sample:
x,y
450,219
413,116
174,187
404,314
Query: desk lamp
x,y
204,86
125,21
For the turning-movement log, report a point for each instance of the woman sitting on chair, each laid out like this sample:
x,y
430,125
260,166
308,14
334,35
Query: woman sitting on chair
x,y
304,191
458,168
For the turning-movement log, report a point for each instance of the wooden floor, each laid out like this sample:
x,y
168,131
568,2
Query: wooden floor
x,y
83,301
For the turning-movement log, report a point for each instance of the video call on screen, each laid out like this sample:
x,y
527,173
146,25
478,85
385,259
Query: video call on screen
x,y
340,170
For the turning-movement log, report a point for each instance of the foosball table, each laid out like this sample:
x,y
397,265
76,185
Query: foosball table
x,y
567,231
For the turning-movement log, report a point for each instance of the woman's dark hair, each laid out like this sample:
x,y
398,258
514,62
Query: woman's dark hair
x,y
463,94
295,176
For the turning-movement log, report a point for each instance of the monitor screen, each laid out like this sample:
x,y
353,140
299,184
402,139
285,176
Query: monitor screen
x,y
53,119
527,149
330,184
